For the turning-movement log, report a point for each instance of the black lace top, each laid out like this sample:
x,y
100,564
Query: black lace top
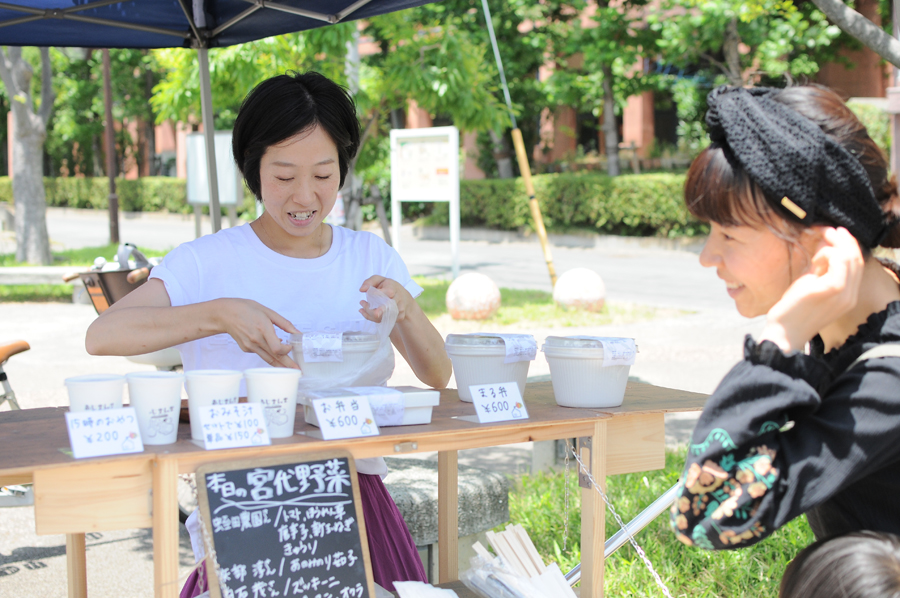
x,y
784,435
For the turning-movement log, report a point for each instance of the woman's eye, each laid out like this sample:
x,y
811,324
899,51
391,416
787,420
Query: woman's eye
x,y
324,178
284,180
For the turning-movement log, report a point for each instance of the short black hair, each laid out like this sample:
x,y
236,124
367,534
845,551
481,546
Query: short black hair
x,y
862,564
285,105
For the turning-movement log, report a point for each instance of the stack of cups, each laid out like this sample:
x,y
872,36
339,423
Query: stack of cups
x,y
95,392
276,390
206,388
156,398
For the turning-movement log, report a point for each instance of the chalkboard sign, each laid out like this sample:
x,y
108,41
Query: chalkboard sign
x,y
285,526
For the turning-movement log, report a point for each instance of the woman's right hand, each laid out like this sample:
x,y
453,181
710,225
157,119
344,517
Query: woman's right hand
x,y
825,292
251,325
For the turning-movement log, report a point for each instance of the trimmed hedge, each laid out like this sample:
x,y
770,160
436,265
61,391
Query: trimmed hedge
x,y
146,194
634,205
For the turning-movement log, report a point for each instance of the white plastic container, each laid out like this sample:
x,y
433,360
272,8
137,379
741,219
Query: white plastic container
x,y
417,404
156,398
357,348
95,392
206,388
480,359
578,376
276,390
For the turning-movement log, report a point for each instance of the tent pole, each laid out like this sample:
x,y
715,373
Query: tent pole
x,y
209,135
521,155
110,152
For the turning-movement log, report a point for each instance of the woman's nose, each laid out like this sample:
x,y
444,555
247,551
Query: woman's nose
x,y
709,256
302,193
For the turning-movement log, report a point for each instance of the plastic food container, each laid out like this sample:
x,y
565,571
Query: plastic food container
x,y
578,376
356,347
480,359
417,404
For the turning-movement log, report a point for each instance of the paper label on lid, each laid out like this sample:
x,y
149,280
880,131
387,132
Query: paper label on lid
x,y
498,402
519,347
106,432
322,346
616,351
387,403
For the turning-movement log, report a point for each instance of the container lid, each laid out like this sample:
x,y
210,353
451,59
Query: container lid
x,y
475,340
353,336
615,350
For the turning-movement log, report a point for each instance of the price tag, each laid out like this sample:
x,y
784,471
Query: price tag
x,y
498,402
519,347
322,346
105,432
345,417
234,426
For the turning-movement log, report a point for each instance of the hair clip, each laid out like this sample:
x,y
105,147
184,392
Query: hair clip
x,y
793,208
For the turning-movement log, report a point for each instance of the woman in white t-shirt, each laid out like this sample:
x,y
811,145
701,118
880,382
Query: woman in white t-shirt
x,y
231,299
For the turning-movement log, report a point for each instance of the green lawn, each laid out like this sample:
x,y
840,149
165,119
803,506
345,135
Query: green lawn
x,y
537,502
536,308
79,257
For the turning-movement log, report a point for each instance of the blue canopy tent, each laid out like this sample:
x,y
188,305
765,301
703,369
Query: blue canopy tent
x,y
197,24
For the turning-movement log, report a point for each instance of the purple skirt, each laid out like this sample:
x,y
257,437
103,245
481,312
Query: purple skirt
x,y
391,548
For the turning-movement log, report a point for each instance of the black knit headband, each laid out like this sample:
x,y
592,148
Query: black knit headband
x,y
802,171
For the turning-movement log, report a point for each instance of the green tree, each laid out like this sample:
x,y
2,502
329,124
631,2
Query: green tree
x,y
738,42
604,65
75,139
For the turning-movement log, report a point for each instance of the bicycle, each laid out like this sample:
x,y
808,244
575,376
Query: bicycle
x,y
17,495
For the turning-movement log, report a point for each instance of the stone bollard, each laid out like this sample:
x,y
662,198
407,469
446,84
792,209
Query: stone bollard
x,y
473,296
580,288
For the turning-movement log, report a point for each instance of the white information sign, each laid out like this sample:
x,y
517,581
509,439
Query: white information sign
x,y
234,426
345,417
231,186
425,167
498,402
105,432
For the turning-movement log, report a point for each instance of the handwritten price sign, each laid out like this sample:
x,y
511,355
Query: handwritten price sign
x,y
498,402
345,417
106,432
234,426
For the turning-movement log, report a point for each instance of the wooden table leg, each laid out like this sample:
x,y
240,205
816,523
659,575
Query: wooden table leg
x,y
76,565
165,528
448,517
593,516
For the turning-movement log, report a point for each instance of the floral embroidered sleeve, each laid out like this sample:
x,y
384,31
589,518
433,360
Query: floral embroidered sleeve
x,y
749,471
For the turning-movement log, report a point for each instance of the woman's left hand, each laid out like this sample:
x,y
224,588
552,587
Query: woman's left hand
x,y
828,290
394,290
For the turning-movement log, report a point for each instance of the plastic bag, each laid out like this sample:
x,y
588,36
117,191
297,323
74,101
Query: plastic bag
x,y
380,365
493,578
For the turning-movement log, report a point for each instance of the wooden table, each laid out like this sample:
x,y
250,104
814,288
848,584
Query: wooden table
x,y
138,491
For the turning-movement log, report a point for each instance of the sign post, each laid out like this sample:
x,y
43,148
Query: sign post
x,y
425,167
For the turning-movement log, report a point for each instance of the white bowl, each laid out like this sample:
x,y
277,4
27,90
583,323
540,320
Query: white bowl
x,y
356,347
479,359
578,376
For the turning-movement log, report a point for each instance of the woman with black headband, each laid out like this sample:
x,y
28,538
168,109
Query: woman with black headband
x,y
797,195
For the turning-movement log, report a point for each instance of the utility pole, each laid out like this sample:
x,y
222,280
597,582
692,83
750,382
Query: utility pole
x,y
110,152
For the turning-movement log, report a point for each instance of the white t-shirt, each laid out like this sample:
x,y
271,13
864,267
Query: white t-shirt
x,y
313,294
